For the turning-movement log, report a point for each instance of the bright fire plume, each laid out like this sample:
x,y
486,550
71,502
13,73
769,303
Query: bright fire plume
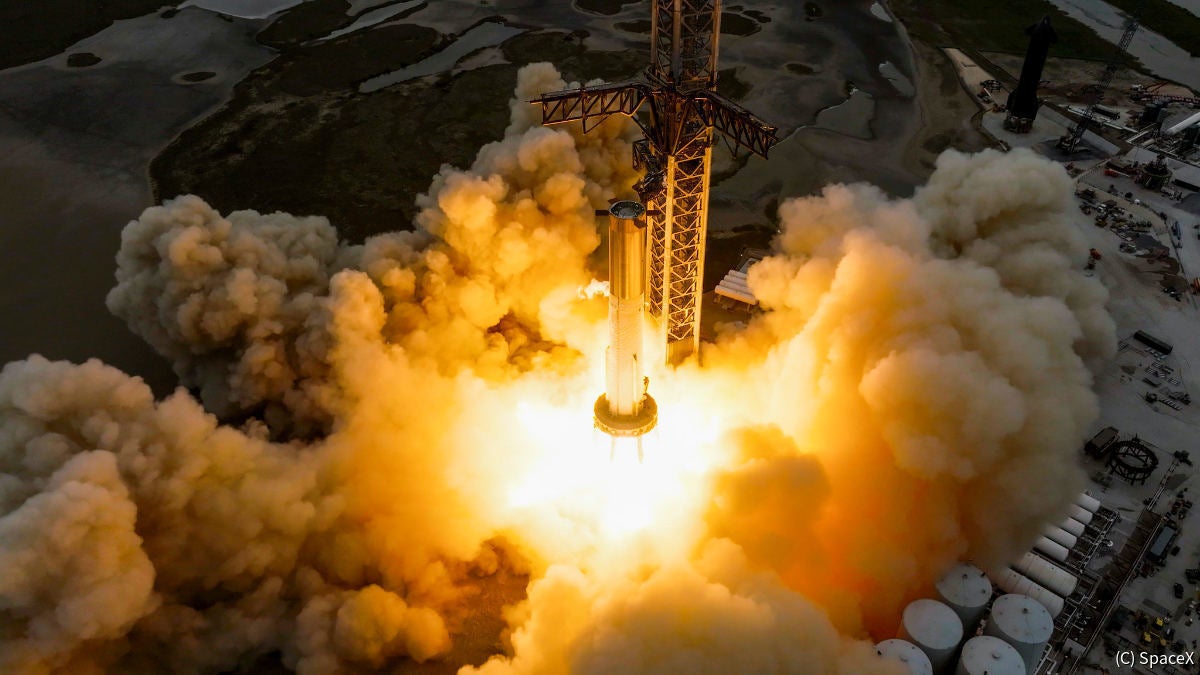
x,y
912,394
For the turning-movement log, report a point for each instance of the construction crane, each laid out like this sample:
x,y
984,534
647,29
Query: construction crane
x,y
1069,142
680,111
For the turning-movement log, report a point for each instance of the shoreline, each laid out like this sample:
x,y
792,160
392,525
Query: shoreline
x,y
81,140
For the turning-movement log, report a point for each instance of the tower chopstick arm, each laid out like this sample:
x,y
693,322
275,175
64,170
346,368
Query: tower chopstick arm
x,y
739,125
591,105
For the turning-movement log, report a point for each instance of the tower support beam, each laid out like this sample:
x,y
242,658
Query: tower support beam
x,y
678,110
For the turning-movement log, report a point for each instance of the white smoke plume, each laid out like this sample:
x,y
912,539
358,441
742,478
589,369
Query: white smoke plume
x,y
412,428
931,353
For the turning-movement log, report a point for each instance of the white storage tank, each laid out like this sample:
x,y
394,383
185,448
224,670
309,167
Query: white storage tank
x,y
1187,122
1088,502
1011,581
966,589
1047,574
1073,526
1023,623
1059,535
1081,514
1051,549
907,653
935,629
986,655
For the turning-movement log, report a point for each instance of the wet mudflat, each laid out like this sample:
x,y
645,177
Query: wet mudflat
x,y
76,140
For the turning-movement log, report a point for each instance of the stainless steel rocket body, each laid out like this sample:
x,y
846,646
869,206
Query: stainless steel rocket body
x,y
625,409
626,301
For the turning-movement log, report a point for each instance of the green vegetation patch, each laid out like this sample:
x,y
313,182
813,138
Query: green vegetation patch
x,y
360,160
733,23
198,76
299,137
339,64
605,7
1167,19
572,58
639,26
731,86
757,15
988,25
306,21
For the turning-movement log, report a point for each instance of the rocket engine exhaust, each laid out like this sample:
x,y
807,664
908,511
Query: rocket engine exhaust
x,y
625,409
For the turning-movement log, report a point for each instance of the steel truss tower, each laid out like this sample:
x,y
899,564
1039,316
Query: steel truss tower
x,y
682,110
1070,141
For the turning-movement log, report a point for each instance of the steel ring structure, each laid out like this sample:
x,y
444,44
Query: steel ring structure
x,y
1132,460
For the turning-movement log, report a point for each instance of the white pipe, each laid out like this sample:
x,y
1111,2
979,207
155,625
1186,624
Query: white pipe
x,y
1011,581
1047,574
1088,502
1052,549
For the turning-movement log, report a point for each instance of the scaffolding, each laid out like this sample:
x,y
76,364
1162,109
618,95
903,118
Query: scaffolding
x,y
678,110
1069,142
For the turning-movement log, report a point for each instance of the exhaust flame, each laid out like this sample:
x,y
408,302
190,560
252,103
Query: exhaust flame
x,y
912,394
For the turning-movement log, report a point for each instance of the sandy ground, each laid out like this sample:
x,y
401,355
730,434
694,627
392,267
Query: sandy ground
x,y
972,76
73,172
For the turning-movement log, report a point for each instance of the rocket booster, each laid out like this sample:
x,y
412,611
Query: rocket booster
x,y
1023,101
625,409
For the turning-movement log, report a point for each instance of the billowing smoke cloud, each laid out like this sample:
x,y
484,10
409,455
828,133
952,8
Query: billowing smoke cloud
x,y
384,432
931,354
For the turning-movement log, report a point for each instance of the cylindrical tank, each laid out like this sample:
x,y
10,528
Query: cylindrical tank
x,y
1187,122
1011,581
1088,502
1057,534
966,590
625,408
1073,526
906,653
1051,549
1081,514
1047,574
986,655
935,629
1023,623
626,298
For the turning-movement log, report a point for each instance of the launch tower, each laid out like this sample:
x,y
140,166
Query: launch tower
x,y
683,111
1070,141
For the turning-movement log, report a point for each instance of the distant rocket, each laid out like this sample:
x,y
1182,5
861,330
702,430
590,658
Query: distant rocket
x,y
1023,101
625,409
